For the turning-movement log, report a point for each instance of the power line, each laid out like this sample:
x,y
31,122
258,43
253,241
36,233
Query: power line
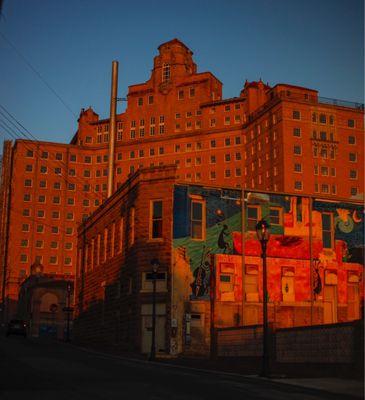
x,y
57,162
38,74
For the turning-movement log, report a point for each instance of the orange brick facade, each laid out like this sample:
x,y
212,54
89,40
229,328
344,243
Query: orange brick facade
x,y
177,117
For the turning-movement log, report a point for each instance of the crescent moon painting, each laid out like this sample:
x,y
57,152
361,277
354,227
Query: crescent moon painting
x,y
355,218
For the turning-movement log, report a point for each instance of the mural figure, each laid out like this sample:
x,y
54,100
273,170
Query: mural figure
x,y
200,285
222,243
317,282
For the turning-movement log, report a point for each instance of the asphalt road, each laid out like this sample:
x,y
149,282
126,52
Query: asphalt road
x,y
33,369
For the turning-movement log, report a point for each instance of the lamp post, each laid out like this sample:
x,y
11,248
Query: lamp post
x,y
155,264
263,235
68,311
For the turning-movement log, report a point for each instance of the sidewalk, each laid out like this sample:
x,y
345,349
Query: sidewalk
x,y
346,387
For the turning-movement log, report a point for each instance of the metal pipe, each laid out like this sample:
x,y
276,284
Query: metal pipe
x,y
112,125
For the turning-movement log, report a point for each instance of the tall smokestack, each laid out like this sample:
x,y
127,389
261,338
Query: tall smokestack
x,y
112,126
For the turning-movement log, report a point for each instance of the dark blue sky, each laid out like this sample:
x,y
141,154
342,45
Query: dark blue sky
x,y
313,43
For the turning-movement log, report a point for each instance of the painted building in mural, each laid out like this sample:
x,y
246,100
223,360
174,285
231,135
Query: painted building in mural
x,y
205,241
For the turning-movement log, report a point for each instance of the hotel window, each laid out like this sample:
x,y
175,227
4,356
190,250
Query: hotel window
x,y
162,129
322,119
198,145
161,150
198,161
351,140
54,229
227,173
26,212
297,167
150,99
334,189
352,157
40,213
237,140
212,159
67,260
132,154
212,175
86,203
25,228
180,94
227,120
29,168
276,216
323,135
56,200
188,114
351,123
297,132
227,108
333,171
23,258
188,162
315,151
55,214
198,219
40,228
227,141
140,101
198,112
212,122
296,114
133,134
87,173
57,171
141,132
29,153
237,119
86,188
238,156
156,213
87,159
41,198
298,185
119,136
59,156
53,260
332,120
188,125
71,201
72,172
327,230
28,183
227,157
26,197
99,138
141,153
325,188
71,186
316,188
54,245
353,174
324,171
152,130
353,191
238,171
297,150
24,243
324,153
39,244
253,216
287,284
213,143
314,117
70,216
152,152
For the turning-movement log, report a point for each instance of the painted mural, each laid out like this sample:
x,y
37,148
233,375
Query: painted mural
x,y
208,221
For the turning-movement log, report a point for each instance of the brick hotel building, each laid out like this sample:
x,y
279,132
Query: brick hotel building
x,y
283,138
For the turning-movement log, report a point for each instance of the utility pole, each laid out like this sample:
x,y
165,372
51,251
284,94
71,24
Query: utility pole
x,y
112,126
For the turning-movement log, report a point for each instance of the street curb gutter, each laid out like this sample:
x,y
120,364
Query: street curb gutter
x,y
244,378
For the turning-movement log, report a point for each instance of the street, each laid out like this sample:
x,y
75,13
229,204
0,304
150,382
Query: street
x,y
34,369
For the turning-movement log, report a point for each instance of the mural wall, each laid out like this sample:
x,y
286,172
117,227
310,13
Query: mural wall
x,y
209,221
314,265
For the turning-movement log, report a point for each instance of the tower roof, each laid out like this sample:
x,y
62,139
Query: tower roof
x,y
175,41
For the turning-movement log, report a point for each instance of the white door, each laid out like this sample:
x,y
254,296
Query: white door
x,y
146,328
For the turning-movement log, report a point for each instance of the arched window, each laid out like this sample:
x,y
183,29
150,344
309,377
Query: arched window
x,y
166,72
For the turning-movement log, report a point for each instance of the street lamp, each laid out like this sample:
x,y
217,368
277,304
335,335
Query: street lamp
x,y
263,235
68,310
155,265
